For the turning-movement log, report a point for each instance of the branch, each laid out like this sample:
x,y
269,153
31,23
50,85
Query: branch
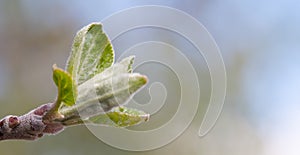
x,y
91,90
30,126
43,120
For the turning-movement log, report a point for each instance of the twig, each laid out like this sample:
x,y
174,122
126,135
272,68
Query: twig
x,y
30,126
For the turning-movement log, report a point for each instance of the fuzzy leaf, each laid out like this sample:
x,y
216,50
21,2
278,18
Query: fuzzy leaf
x,y
120,117
91,53
67,92
126,62
124,66
100,95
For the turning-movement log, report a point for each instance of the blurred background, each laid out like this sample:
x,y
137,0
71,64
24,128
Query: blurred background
x,y
259,41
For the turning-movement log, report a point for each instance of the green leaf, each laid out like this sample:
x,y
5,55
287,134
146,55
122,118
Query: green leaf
x,y
120,117
126,62
124,66
102,86
91,53
99,95
67,91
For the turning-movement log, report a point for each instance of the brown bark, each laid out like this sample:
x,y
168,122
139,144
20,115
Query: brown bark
x,y
30,126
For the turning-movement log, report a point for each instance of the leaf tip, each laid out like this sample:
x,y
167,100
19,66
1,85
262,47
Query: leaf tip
x,y
143,79
54,66
132,57
146,117
92,25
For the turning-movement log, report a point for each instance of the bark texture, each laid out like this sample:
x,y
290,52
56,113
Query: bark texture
x,y
30,126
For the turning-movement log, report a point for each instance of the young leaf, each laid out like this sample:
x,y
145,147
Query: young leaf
x,y
67,92
91,53
120,117
99,96
126,62
124,66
